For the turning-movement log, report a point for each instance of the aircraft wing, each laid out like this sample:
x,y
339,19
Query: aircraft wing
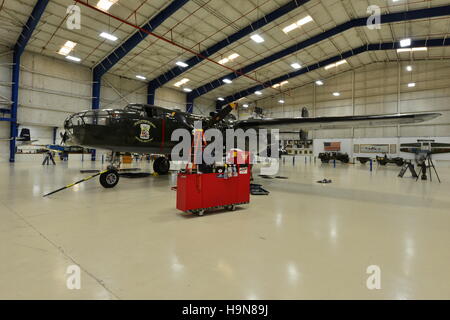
x,y
336,122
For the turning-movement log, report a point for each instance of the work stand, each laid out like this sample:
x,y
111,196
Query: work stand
x,y
48,158
408,165
427,164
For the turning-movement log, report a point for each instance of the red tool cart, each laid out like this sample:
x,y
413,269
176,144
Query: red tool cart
x,y
199,192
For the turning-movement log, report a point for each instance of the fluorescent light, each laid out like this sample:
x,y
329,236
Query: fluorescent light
x,y
281,101
227,81
67,48
221,99
181,82
405,42
411,85
336,94
229,58
290,27
258,93
141,77
412,49
257,38
187,90
409,68
333,65
108,36
105,4
298,24
304,21
245,105
224,60
296,65
182,64
319,82
72,58
280,84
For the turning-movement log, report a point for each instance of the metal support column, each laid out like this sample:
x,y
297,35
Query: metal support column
x,y
189,104
14,105
19,48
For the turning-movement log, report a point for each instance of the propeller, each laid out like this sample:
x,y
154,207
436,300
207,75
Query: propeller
x,y
64,137
222,114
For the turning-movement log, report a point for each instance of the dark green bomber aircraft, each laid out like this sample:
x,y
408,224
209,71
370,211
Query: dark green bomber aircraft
x,y
147,129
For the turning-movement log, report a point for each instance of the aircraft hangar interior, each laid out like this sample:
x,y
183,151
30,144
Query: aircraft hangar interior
x,y
224,149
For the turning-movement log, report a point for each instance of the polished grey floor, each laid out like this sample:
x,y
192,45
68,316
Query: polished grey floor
x,y
304,241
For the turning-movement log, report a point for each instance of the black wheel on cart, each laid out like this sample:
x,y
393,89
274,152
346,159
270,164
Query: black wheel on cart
x,y
231,208
201,212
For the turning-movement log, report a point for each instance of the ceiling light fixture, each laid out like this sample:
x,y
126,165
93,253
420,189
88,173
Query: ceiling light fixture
x,y
108,36
409,68
319,82
336,94
412,49
333,65
258,93
67,48
221,99
181,82
141,77
72,58
245,105
298,24
405,42
281,101
296,65
187,90
224,60
411,85
280,84
182,64
105,5
227,81
257,38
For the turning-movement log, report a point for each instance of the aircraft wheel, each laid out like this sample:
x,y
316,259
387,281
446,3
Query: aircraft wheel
x,y
161,166
109,179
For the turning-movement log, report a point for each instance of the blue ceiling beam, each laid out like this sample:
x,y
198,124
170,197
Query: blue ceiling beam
x,y
193,61
345,55
19,48
131,43
387,18
125,48
30,26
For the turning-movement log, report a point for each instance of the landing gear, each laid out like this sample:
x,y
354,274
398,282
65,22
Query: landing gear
x,y
161,166
109,179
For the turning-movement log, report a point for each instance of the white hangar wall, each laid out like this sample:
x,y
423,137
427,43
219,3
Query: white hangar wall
x,y
375,89
51,89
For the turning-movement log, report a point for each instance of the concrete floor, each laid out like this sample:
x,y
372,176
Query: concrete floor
x,y
304,241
